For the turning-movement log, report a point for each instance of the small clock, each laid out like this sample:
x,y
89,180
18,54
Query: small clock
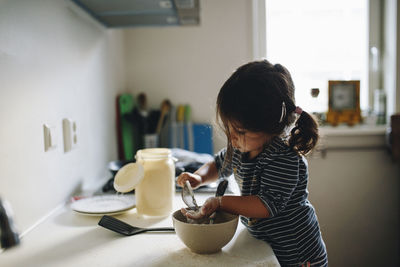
x,y
344,102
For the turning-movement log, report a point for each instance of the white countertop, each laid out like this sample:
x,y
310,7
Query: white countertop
x,y
71,239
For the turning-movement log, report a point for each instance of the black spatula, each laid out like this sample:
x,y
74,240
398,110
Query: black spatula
x,y
123,228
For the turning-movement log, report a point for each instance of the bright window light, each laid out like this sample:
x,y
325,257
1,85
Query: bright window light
x,y
319,40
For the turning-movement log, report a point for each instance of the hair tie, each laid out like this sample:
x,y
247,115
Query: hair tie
x,y
298,110
283,112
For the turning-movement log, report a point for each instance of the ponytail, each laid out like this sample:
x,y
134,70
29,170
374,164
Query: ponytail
x,y
304,135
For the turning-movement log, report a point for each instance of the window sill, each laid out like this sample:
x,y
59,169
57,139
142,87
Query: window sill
x,y
344,137
344,130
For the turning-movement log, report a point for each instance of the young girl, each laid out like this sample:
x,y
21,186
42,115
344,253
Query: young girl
x,y
256,109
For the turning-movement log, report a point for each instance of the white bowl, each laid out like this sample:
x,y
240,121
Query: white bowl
x,y
206,238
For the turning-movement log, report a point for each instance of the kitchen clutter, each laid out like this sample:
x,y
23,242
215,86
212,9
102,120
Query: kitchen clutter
x,y
186,161
154,147
201,238
153,176
168,126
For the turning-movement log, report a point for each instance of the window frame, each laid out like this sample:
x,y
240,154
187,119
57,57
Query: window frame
x,y
375,42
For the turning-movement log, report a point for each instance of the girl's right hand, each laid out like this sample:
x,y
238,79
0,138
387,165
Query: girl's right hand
x,y
194,179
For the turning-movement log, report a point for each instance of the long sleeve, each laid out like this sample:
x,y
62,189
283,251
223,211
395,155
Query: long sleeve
x,y
224,170
278,181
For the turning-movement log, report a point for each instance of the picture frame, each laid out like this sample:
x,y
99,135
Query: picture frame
x,y
344,102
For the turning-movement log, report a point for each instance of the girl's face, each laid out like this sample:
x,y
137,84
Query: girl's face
x,y
247,141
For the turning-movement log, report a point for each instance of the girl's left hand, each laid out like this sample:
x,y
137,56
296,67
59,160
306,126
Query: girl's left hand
x,y
211,205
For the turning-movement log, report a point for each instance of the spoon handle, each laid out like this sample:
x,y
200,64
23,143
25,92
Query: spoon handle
x,y
220,192
221,188
159,229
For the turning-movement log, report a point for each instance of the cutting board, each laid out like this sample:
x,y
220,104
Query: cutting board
x,y
119,131
129,133
188,129
180,123
202,138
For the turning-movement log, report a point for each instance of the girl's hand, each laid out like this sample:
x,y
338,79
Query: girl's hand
x,y
192,214
212,204
194,179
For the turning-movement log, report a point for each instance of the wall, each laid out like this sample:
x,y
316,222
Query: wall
x,y
355,190
398,59
188,65
391,56
55,62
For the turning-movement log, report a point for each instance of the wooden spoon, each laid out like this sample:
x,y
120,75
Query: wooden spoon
x,y
165,107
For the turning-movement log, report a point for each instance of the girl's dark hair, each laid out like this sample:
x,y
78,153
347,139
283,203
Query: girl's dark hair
x,y
252,98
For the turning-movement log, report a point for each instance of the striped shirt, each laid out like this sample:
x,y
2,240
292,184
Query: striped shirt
x,y
279,176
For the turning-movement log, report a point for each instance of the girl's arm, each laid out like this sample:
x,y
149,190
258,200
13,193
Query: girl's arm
x,y
208,172
204,175
248,206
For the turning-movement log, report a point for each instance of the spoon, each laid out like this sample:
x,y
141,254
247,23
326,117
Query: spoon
x,y
221,188
188,196
165,107
219,193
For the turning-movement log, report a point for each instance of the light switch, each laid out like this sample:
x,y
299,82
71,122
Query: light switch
x,y
70,136
50,137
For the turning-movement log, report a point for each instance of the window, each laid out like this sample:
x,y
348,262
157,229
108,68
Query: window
x,y
320,41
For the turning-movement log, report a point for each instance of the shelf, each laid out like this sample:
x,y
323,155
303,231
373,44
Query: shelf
x,y
350,138
344,130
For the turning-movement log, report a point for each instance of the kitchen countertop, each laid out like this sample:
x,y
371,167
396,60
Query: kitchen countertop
x,y
71,239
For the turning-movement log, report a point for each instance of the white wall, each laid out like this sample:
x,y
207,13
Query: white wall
x,y
356,195
55,62
188,65
391,56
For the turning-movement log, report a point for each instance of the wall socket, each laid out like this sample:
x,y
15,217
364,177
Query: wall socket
x,y
70,134
50,137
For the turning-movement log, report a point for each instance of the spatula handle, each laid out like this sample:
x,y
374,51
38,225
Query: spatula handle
x,y
159,229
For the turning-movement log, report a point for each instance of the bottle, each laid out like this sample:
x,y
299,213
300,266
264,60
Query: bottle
x,y
380,106
314,101
155,192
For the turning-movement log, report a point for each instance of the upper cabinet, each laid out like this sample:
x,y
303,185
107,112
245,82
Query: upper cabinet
x,y
131,13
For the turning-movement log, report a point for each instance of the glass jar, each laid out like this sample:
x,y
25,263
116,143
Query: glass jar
x,y
155,192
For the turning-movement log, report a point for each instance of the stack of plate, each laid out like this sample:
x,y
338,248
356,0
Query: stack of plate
x,y
104,204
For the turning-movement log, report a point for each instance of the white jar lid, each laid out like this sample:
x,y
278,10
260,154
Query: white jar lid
x,y
128,177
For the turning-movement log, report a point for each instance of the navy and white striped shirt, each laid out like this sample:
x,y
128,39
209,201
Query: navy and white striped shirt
x,y
278,176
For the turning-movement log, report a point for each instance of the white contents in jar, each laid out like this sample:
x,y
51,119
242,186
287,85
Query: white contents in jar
x,y
155,192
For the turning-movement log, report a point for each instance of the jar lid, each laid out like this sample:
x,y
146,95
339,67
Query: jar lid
x,y
154,153
128,177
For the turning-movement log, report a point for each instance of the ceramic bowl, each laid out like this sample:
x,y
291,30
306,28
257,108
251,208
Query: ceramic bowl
x,y
206,238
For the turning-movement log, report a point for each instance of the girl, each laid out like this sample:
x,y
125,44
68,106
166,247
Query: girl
x,y
256,109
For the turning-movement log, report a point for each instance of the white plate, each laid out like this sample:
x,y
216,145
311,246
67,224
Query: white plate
x,y
104,204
